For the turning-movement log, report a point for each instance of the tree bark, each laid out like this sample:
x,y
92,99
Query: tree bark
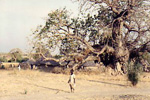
x,y
121,51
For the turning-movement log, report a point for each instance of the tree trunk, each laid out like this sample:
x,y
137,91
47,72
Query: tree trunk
x,y
121,51
15,59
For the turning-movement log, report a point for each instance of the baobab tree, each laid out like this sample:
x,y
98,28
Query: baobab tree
x,y
117,31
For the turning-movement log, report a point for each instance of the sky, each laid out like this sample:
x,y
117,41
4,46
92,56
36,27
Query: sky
x,y
19,17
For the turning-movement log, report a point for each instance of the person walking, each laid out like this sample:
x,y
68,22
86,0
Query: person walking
x,y
72,81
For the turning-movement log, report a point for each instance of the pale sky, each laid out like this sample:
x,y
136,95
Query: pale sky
x,y
19,17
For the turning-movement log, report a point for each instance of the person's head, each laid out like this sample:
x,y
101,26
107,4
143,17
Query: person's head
x,y
71,71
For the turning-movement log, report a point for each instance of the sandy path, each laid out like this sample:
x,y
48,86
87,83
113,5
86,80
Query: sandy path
x,y
35,85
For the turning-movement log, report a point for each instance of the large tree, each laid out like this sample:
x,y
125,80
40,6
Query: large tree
x,y
117,31
129,25
128,22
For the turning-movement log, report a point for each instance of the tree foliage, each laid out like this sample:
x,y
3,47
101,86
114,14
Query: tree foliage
x,y
16,55
117,31
3,59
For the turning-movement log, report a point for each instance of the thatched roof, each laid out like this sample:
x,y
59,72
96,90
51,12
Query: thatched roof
x,y
48,62
30,62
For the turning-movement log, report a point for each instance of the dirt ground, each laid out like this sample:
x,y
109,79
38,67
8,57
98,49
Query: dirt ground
x,y
37,85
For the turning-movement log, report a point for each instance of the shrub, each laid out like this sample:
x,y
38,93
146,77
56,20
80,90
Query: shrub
x,y
57,70
25,91
133,77
134,68
2,67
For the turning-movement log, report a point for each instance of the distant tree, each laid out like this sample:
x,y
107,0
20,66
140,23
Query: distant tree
x,y
16,55
3,59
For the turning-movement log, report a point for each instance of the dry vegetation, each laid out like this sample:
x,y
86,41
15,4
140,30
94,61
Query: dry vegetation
x,y
40,85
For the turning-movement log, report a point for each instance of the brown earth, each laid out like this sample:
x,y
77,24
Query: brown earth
x,y
37,85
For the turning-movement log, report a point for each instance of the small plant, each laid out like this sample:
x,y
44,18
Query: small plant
x,y
25,91
133,77
3,67
134,68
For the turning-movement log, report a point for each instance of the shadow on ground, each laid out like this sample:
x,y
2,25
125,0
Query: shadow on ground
x,y
108,83
57,90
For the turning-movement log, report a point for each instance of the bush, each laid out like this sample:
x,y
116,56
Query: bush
x,y
57,70
60,70
134,68
2,67
133,77
22,60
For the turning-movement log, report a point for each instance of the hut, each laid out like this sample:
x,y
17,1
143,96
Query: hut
x,y
29,64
